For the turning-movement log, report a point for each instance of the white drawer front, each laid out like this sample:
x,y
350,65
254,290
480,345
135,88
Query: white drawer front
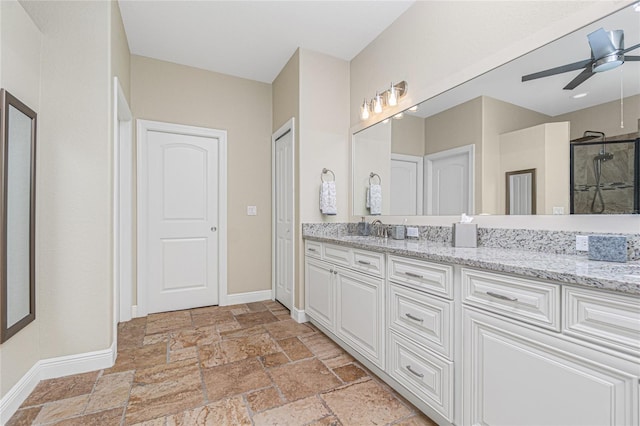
x,y
430,277
369,262
423,318
313,249
426,375
337,254
608,319
530,301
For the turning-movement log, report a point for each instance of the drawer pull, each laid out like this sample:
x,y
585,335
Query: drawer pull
x,y
411,274
312,249
414,318
415,373
364,262
502,297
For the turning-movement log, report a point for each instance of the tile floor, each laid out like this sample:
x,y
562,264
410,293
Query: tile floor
x,y
247,364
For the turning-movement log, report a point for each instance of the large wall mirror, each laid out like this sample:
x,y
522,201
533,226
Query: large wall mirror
x,y
17,233
577,129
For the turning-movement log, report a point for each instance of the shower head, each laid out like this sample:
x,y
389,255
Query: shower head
x,y
589,135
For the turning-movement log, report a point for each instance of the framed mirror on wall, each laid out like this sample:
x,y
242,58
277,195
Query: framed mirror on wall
x,y
17,215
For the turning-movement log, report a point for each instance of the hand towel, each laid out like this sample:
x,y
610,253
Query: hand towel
x,y
328,203
375,199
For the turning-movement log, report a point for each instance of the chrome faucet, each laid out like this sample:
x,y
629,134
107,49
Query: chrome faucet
x,y
379,228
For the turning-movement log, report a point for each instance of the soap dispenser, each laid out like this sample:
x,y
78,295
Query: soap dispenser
x,y
363,228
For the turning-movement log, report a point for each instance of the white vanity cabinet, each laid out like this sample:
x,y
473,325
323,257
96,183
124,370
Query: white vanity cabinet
x,y
344,293
515,372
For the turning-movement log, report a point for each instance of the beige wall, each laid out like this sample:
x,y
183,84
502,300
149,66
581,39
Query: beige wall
x,y
120,55
502,31
605,118
407,136
163,91
20,49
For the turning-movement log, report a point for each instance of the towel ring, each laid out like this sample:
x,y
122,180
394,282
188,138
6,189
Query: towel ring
x,y
372,175
324,172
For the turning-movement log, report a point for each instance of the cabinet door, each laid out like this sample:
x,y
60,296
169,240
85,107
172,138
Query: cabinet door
x,y
515,375
319,292
360,314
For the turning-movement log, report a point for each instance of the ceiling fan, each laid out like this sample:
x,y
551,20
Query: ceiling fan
x,y
607,52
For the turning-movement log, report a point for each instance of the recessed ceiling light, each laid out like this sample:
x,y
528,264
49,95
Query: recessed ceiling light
x,y
580,95
636,7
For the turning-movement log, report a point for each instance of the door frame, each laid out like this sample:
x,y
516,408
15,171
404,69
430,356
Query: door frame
x,y
469,150
419,162
122,207
143,127
289,126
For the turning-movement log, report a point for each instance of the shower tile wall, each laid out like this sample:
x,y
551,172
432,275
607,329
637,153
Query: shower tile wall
x,y
616,182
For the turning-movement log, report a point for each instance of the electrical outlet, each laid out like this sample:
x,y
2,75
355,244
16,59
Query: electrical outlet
x,y
582,243
558,210
412,232
252,210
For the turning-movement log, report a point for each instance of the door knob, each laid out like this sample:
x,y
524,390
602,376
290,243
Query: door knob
x,y
214,229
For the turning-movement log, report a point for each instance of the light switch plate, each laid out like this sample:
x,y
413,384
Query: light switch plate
x,y
252,210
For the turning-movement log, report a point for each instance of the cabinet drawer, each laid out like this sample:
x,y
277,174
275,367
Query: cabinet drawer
x,y
534,302
426,375
423,318
337,254
369,262
426,276
313,249
603,318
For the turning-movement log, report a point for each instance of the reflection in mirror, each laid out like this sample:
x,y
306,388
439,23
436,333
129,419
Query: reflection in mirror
x,y
521,192
17,307
513,125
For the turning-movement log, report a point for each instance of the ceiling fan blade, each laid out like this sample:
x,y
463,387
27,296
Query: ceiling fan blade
x,y
629,49
600,43
581,78
632,58
558,70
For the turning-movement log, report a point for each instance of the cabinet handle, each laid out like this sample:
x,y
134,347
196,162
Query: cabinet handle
x,y
502,297
312,249
331,271
364,262
335,272
414,318
411,274
415,373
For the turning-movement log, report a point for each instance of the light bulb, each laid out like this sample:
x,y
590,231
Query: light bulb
x,y
364,110
398,116
393,99
377,108
413,108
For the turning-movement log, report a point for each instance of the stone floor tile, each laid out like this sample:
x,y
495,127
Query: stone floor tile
x,y
111,391
295,349
62,409
274,360
231,379
295,413
183,354
155,338
349,373
365,403
241,332
417,420
168,321
61,388
239,311
101,418
326,421
228,326
160,421
212,318
302,379
264,399
232,350
257,306
255,318
285,329
24,417
326,350
131,359
226,412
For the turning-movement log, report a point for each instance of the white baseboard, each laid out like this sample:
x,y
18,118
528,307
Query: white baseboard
x,y
52,368
299,315
249,297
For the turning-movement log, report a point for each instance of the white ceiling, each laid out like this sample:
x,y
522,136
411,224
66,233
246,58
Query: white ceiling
x,y
253,39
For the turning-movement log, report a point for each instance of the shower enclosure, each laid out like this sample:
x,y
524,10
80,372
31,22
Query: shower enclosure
x,y
605,177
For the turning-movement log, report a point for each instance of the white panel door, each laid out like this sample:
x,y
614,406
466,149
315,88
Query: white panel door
x,y
449,182
283,191
182,220
406,185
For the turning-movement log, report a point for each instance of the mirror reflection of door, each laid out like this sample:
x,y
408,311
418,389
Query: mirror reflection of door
x,y
521,192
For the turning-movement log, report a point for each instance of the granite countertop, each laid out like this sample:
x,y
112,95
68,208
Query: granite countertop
x,y
571,269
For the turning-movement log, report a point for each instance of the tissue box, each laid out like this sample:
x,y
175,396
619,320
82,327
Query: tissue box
x,y
397,232
465,235
610,248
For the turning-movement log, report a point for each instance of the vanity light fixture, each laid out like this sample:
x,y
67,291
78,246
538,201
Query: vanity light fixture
x,y
413,108
580,95
387,98
398,116
377,106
